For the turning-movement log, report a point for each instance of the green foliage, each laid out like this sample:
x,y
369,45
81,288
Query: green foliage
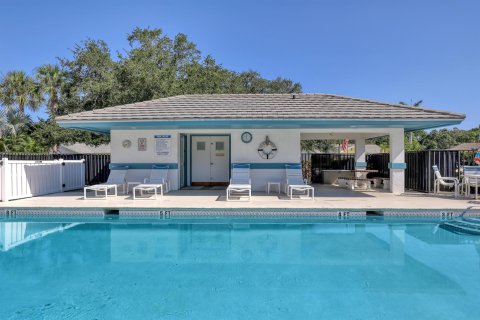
x,y
323,146
435,139
153,66
21,143
17,89
51,80
49,134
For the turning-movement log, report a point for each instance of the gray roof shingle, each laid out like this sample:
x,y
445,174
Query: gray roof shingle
x,y
258,106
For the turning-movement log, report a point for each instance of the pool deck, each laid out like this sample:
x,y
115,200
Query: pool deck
x,y
326,197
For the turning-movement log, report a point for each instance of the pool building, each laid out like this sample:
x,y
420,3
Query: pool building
x,y
200,137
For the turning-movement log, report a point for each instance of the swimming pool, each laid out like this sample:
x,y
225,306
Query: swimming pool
x,y
238,269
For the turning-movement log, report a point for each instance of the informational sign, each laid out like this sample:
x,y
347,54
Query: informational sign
x,y
142,144
163,145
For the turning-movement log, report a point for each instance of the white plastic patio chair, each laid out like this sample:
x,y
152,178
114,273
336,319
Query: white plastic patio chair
x,y
294,181
444,181
115,180
240,181
158,180
471,179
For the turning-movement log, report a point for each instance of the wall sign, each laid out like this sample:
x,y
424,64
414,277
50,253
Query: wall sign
x,y
163,145
142,144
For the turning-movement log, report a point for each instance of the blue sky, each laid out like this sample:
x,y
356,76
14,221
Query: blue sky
x,y
383,50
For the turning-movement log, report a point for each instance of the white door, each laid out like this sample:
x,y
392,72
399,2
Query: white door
x,y
220,164
210,160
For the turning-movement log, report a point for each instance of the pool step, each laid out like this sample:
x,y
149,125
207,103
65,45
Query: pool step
x,y
465,226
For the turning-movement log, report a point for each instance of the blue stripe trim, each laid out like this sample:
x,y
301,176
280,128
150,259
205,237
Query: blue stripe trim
x,y
471,168
360,164
276,165
240,165
397,165
117,166
113,166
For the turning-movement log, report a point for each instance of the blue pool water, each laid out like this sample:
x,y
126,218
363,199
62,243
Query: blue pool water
x,y
360,270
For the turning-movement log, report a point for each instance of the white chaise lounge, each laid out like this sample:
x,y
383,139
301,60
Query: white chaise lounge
x,y
240,182
294,182
444,181
158,181
471,179
115,180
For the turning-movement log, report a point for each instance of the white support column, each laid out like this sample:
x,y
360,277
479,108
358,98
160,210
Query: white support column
x,y
360,161
397,163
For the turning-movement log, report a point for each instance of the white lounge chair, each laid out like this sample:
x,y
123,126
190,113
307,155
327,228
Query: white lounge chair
x,y
240,181
294,181
115,180
158,181
444,181
471,179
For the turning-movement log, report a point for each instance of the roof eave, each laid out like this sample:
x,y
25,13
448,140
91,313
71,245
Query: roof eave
x,y
104,127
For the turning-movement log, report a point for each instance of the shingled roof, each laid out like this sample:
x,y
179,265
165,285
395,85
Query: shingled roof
x,y
259,107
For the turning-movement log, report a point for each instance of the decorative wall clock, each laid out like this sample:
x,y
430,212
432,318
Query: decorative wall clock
x,y
126,144
246,137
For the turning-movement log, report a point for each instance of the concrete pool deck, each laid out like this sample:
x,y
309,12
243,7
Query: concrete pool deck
x,y
326,197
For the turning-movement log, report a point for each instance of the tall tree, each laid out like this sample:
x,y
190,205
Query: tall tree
x,y
12,121
90,78
20,90
51,80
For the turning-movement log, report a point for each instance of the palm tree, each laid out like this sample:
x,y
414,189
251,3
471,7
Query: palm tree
x,y
18,89
416,104
12,121
51,79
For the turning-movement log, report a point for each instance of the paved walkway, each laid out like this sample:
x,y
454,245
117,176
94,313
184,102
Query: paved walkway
x,y
327,197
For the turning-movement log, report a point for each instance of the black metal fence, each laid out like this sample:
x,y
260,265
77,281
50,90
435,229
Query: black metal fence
x,y
96,165
419,175
327,161
379,161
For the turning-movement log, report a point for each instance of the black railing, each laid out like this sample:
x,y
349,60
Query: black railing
x,y
96,165
379,161
327,161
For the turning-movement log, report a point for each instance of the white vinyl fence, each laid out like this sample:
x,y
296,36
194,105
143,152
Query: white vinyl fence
x,y
26,178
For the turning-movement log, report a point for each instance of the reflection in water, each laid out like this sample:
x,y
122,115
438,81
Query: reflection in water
x,y
277,270
13,234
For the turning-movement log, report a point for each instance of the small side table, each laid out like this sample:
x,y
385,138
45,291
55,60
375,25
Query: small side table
x,y
132,183
273,183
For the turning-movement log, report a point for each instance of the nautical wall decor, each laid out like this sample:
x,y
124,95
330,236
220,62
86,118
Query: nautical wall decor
x,y
267,149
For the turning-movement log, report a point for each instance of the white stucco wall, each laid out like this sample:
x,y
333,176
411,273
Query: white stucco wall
x,y
287,142
119,154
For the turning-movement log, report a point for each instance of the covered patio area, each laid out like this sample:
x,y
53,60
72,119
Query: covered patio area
x,y
327,197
